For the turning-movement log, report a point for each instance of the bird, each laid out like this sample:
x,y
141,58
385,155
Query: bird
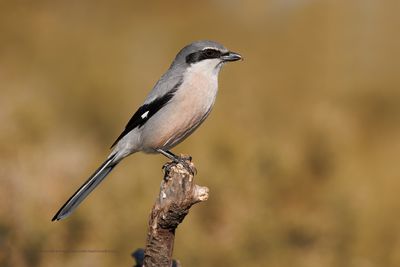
x,y
176,106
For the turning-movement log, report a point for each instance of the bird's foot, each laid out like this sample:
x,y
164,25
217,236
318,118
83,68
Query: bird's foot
x,y
167,168
184,160
187,163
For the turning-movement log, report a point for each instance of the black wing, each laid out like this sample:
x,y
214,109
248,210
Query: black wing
x,y
145,112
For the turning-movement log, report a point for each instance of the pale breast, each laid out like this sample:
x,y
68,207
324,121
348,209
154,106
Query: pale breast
x,y
182,115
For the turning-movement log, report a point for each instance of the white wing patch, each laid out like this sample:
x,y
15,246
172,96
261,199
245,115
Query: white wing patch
x,y
144,115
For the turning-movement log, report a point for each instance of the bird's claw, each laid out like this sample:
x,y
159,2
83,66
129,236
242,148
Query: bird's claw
x,y
185,161
187,166
166,168
185,157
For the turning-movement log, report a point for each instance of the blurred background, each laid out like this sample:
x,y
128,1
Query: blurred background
x,y
301,152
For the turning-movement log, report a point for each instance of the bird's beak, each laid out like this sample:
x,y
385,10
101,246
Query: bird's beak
x,y
231,56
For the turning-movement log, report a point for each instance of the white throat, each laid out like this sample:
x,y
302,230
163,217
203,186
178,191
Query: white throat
x,y
208,67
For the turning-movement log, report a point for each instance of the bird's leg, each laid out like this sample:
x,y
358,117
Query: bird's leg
x,y
169,155
176,159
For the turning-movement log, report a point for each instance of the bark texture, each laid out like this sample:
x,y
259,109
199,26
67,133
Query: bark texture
x,y
178,193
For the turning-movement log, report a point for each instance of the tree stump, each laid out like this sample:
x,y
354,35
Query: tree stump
x,y
178,193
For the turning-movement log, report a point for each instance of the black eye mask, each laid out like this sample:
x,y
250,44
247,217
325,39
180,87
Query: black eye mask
x,y
203,54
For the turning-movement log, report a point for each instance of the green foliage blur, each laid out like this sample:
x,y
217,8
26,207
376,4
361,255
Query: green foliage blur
x,y
301,152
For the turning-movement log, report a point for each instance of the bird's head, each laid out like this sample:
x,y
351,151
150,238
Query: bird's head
x,y
207,54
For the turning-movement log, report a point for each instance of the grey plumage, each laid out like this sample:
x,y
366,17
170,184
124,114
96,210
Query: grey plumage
x,y
178,103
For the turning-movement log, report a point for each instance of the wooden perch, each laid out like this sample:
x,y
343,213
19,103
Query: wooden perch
x,y
178,193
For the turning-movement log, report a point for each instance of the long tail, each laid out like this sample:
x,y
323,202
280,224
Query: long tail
x,y
93,181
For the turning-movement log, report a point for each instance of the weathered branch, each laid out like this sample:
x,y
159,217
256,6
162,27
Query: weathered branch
x,y
178,193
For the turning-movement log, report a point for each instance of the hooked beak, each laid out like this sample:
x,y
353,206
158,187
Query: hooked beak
x,y
231,56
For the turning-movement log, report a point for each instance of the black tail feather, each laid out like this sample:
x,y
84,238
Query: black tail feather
x,y
83,191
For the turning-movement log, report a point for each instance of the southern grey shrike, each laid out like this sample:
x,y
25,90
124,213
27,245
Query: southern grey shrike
x,y
179,102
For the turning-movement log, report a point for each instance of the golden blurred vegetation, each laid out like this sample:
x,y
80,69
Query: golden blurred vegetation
x,y
301,152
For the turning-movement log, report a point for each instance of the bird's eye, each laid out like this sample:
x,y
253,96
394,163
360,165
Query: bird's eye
x,y
211,53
